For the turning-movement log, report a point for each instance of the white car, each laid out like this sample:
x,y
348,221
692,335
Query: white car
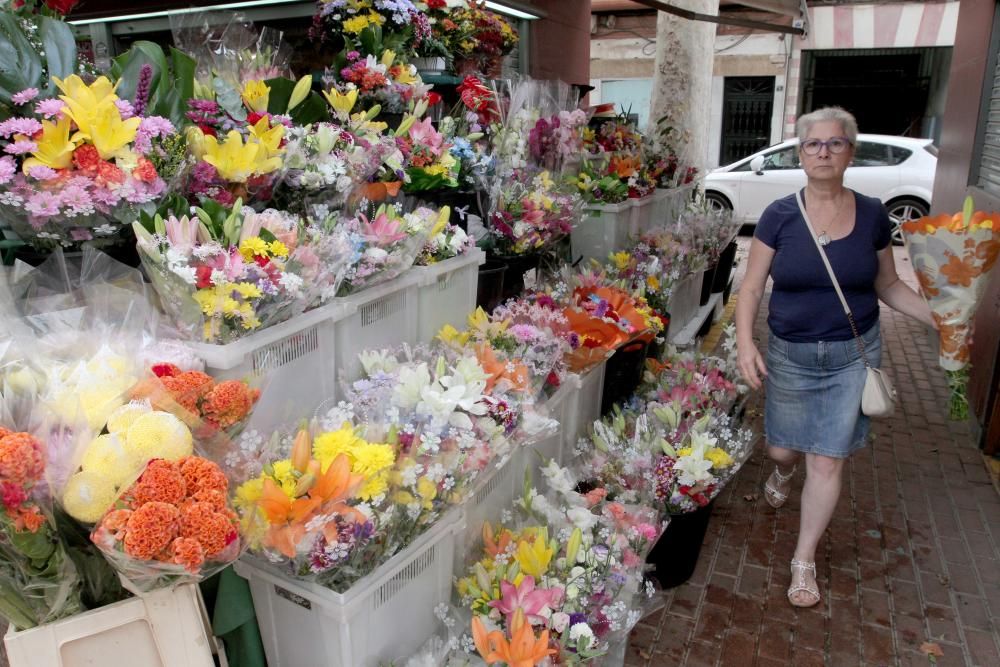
x,y
897,170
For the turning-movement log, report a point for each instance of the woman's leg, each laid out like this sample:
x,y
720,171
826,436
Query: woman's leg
x,y
819,498
784,458
779,482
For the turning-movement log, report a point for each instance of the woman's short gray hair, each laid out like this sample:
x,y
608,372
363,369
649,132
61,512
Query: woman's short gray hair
x,y
834,114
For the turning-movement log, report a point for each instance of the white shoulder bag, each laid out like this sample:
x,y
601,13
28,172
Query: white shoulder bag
x,y
879,396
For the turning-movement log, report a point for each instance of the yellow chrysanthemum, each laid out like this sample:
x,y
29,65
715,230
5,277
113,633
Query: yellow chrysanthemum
x,y
370,458
158,435
122,418
653,283
403,498
373,487
427,490
621,260
88,496
277,249
253,247
327,446
247,290
248,493
719,458
107,456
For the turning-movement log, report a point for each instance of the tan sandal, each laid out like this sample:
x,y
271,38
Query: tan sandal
x,y
773,493
799,585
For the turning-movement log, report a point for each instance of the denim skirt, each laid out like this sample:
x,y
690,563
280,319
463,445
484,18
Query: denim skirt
x,y
813,402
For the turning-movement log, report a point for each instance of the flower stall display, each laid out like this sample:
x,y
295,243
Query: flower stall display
x,y
385,243
39,582
530,213
173,525
367,25
479,40
445,241
227,272
79,168
953,256
431,163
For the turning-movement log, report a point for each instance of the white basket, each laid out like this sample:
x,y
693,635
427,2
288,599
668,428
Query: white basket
x,y
492,494
684,302
642,213
561,406
669,204
383,316
447,293
603,230
384,617
585,408
296,358
165,628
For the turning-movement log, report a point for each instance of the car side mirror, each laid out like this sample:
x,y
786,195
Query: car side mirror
x,y
757,165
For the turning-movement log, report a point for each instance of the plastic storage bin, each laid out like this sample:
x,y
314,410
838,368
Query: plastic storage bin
x,y
295,359
447,293
165,628
491,495
382,316
560,407
643,213
584,409
384,617
684,302
670,203
603,230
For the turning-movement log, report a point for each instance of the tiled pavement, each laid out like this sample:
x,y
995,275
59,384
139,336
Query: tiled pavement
x,y
912,554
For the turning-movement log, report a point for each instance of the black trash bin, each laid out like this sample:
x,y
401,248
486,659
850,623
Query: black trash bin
x,y
622,374
675,555
489,291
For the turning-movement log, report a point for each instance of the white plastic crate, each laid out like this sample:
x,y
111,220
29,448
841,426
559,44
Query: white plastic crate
x,y
615,657
642,213
384,617
295,359
584,409
165,628
669,204
492,494
380,317
603,230
684,302
447,293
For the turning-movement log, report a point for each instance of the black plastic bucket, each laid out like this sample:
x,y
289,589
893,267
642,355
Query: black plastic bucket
x,y
675,555
724,269
489,292
622,374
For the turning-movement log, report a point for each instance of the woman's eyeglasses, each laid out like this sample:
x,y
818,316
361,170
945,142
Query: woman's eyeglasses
x,y
835,145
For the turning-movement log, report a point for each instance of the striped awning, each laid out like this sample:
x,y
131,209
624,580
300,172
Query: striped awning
x,y
894,25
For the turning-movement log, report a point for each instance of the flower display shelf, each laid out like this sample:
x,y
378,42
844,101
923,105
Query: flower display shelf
x,y
584,408
296,360
383,316
559,407
698,324
642,214
603,230
446,293
384,617
684,304
161,629
492,493
669,203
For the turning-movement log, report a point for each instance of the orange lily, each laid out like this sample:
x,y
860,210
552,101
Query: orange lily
x,y
523,649
499,370
624,167
493,544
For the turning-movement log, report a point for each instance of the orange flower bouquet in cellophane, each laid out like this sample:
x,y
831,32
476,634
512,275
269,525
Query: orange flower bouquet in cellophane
x,y
952,256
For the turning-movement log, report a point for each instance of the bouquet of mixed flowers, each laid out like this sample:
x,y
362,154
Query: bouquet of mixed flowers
x,y
479,38
530,213
445,241
663,162
384,79
431,164
227,272
385,243
556,142
79,168
952,256
617,136
366,25
648,270
631,314
596,186
39,582
707,231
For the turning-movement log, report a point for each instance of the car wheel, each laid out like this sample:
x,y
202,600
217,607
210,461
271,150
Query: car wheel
x,y
904,210
718,202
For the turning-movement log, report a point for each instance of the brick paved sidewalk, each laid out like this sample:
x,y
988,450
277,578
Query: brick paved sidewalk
x,y
912,555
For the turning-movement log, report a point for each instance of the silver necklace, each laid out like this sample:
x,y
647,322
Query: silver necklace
x,y
824,238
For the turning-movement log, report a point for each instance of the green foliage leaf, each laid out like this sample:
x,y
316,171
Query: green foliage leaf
x,y
20,64
60,47
229,99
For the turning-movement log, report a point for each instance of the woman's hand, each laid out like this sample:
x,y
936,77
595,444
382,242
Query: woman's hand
x,y
751,364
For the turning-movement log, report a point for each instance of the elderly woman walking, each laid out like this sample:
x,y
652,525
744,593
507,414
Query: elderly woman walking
x,y
814,372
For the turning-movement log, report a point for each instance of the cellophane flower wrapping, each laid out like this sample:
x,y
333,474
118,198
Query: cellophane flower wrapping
x,y
530,212
385,80
706,231
952,256
226,273
570,566
386,242
39,582
446,241
78,169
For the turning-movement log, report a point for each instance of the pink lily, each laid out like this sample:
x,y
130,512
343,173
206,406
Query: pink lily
x,y
230,263
382,230
182,232
424,134
534,602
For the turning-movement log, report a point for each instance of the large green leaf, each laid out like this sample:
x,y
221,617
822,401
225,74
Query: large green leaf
x,y
60,47
20,65
184,71
281,92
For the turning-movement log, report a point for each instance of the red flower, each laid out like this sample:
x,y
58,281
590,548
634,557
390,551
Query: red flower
x,y
61,6
109,173
254,117
12,495
145,171
86,158
164,369
208,130
433,99
437,4
553,379
204,276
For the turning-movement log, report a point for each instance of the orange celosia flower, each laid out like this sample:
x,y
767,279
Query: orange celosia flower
x,y
217,499
228,403
188,388
200,474
21,460
161,482
115,522
4,432
189,553
523,649
213,530
30,519
151,529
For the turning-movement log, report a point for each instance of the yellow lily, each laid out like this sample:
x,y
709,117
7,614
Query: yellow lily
x,y
300,92
256,95
534,557
443,216
449,335
406,75
269,137
103,126
54,149
388,56
236,161
342,103
195,141
78,95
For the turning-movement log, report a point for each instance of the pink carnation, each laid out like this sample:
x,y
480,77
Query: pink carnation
x,y
42,173
25,126
7,169
21,147
43,204
24,96
49,108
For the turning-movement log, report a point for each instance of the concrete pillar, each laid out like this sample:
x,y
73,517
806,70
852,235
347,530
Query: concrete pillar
x,y
682,81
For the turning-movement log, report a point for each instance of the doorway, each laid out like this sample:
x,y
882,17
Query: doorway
x,y
747,102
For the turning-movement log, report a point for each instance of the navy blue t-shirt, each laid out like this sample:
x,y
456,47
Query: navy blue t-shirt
x,y
804,307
